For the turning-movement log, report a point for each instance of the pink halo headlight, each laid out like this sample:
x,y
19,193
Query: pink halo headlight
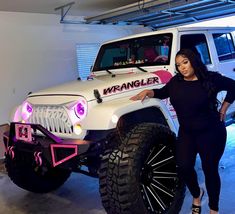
x,y
27,110
80,109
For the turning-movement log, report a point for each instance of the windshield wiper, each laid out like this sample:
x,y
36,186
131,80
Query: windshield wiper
x,y
141,69
113,75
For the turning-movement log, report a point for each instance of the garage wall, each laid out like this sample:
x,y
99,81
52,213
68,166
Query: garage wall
x,y
36,51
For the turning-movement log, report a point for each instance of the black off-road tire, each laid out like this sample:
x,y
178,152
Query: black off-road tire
x,y
35,179
140,176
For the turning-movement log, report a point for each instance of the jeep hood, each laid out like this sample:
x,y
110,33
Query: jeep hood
x,y
106,85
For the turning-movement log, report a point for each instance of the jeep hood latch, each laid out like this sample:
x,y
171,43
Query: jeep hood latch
x,y
97,96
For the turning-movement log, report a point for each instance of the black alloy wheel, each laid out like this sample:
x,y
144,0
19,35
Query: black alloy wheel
x,y
140,175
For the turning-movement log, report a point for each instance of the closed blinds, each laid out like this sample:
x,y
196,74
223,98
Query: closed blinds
x,y
86,54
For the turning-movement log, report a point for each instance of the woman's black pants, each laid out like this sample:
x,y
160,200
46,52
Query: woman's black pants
x,y
209,144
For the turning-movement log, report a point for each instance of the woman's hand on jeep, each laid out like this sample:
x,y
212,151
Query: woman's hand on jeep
x,y
143,95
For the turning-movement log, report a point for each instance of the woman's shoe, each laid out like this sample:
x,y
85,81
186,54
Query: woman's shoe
x,y
195,208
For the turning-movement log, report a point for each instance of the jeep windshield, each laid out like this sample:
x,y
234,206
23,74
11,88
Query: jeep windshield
x,y
142,51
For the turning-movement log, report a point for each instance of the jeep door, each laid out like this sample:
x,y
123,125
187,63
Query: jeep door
x,y
216,51
224,52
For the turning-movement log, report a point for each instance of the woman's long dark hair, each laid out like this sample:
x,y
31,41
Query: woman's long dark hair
x,y
202,74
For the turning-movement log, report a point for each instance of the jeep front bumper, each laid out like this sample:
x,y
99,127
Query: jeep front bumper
x,y
22,139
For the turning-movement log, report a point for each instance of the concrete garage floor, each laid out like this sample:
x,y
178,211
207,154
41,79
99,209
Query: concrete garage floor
x,y
80,193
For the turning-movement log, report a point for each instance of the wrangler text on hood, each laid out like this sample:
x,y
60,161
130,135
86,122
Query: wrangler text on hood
x,y
131,85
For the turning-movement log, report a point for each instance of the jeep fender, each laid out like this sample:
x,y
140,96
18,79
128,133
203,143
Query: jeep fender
x,y
104,116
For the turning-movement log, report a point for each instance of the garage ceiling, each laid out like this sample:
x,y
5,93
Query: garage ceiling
x,y
164,13
79,8
152,13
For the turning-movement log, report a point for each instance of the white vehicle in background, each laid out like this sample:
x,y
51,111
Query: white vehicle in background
x,y
128,145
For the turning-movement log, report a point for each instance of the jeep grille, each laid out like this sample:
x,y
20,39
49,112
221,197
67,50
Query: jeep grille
x,y
53,118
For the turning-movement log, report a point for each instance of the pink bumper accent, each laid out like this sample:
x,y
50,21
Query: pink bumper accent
x,y
10,152
38,158
54,146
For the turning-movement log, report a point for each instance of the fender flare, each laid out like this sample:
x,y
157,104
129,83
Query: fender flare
x,y
105,116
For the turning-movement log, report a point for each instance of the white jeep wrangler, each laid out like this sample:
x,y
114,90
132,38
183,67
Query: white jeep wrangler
x,y
92,127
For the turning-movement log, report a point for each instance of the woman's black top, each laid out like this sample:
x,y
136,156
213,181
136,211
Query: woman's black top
x,y
190,99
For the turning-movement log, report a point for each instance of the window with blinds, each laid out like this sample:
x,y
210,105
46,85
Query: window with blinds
x,y
86,54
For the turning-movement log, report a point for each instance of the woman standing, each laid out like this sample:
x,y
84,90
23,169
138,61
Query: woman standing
x,y
193,93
